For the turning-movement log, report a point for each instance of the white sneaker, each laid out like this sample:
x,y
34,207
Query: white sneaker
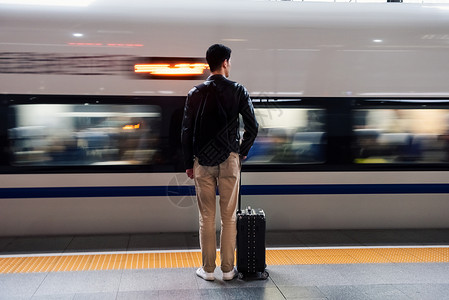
x,y
205,275
230,275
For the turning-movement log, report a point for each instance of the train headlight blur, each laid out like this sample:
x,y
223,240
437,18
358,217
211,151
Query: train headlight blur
x,y
176,70
171,68
131,127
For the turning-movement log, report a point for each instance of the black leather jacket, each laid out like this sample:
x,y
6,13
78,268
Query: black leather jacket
x,y
233,99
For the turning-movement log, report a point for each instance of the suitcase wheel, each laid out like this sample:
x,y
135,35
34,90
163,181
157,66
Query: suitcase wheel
x,y
265,275
258,276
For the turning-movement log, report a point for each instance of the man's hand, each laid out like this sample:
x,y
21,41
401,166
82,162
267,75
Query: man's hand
x,y
241,159
189,173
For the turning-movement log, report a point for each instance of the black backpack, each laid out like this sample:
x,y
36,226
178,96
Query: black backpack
x,y
211,136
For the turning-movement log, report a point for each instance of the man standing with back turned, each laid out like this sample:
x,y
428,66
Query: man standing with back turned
x,y
212,155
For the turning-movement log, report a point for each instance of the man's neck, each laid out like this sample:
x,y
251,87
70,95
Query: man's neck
x,y
219,72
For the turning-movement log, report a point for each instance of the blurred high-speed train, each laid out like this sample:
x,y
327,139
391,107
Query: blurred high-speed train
x,y
352,101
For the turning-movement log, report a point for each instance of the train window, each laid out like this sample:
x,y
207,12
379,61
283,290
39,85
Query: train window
x,y
289,135
401,135
62,134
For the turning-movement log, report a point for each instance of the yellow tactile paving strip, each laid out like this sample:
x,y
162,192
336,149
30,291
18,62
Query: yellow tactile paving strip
x,y
119,261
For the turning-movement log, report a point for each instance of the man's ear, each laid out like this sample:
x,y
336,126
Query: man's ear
x,y
225,64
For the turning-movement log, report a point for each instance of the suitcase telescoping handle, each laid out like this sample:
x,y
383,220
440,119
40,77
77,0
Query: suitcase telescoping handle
x,y
240,186
249,210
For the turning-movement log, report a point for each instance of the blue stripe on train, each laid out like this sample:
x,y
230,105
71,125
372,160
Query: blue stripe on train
x,y
139,191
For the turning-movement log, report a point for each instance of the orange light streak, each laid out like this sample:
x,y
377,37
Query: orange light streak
x,y
129,127
167,69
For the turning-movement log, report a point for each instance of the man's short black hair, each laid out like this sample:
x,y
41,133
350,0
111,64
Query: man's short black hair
x,y
216,55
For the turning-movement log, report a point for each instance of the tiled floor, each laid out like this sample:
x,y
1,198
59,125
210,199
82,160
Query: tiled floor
x,y
380,281
304,281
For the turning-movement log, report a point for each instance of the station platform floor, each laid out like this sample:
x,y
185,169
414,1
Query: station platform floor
x,y
320,264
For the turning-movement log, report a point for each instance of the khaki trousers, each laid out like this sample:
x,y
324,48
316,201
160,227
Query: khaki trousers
x,y
226,176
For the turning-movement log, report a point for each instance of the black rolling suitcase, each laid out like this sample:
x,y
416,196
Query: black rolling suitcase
x,y
251,225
